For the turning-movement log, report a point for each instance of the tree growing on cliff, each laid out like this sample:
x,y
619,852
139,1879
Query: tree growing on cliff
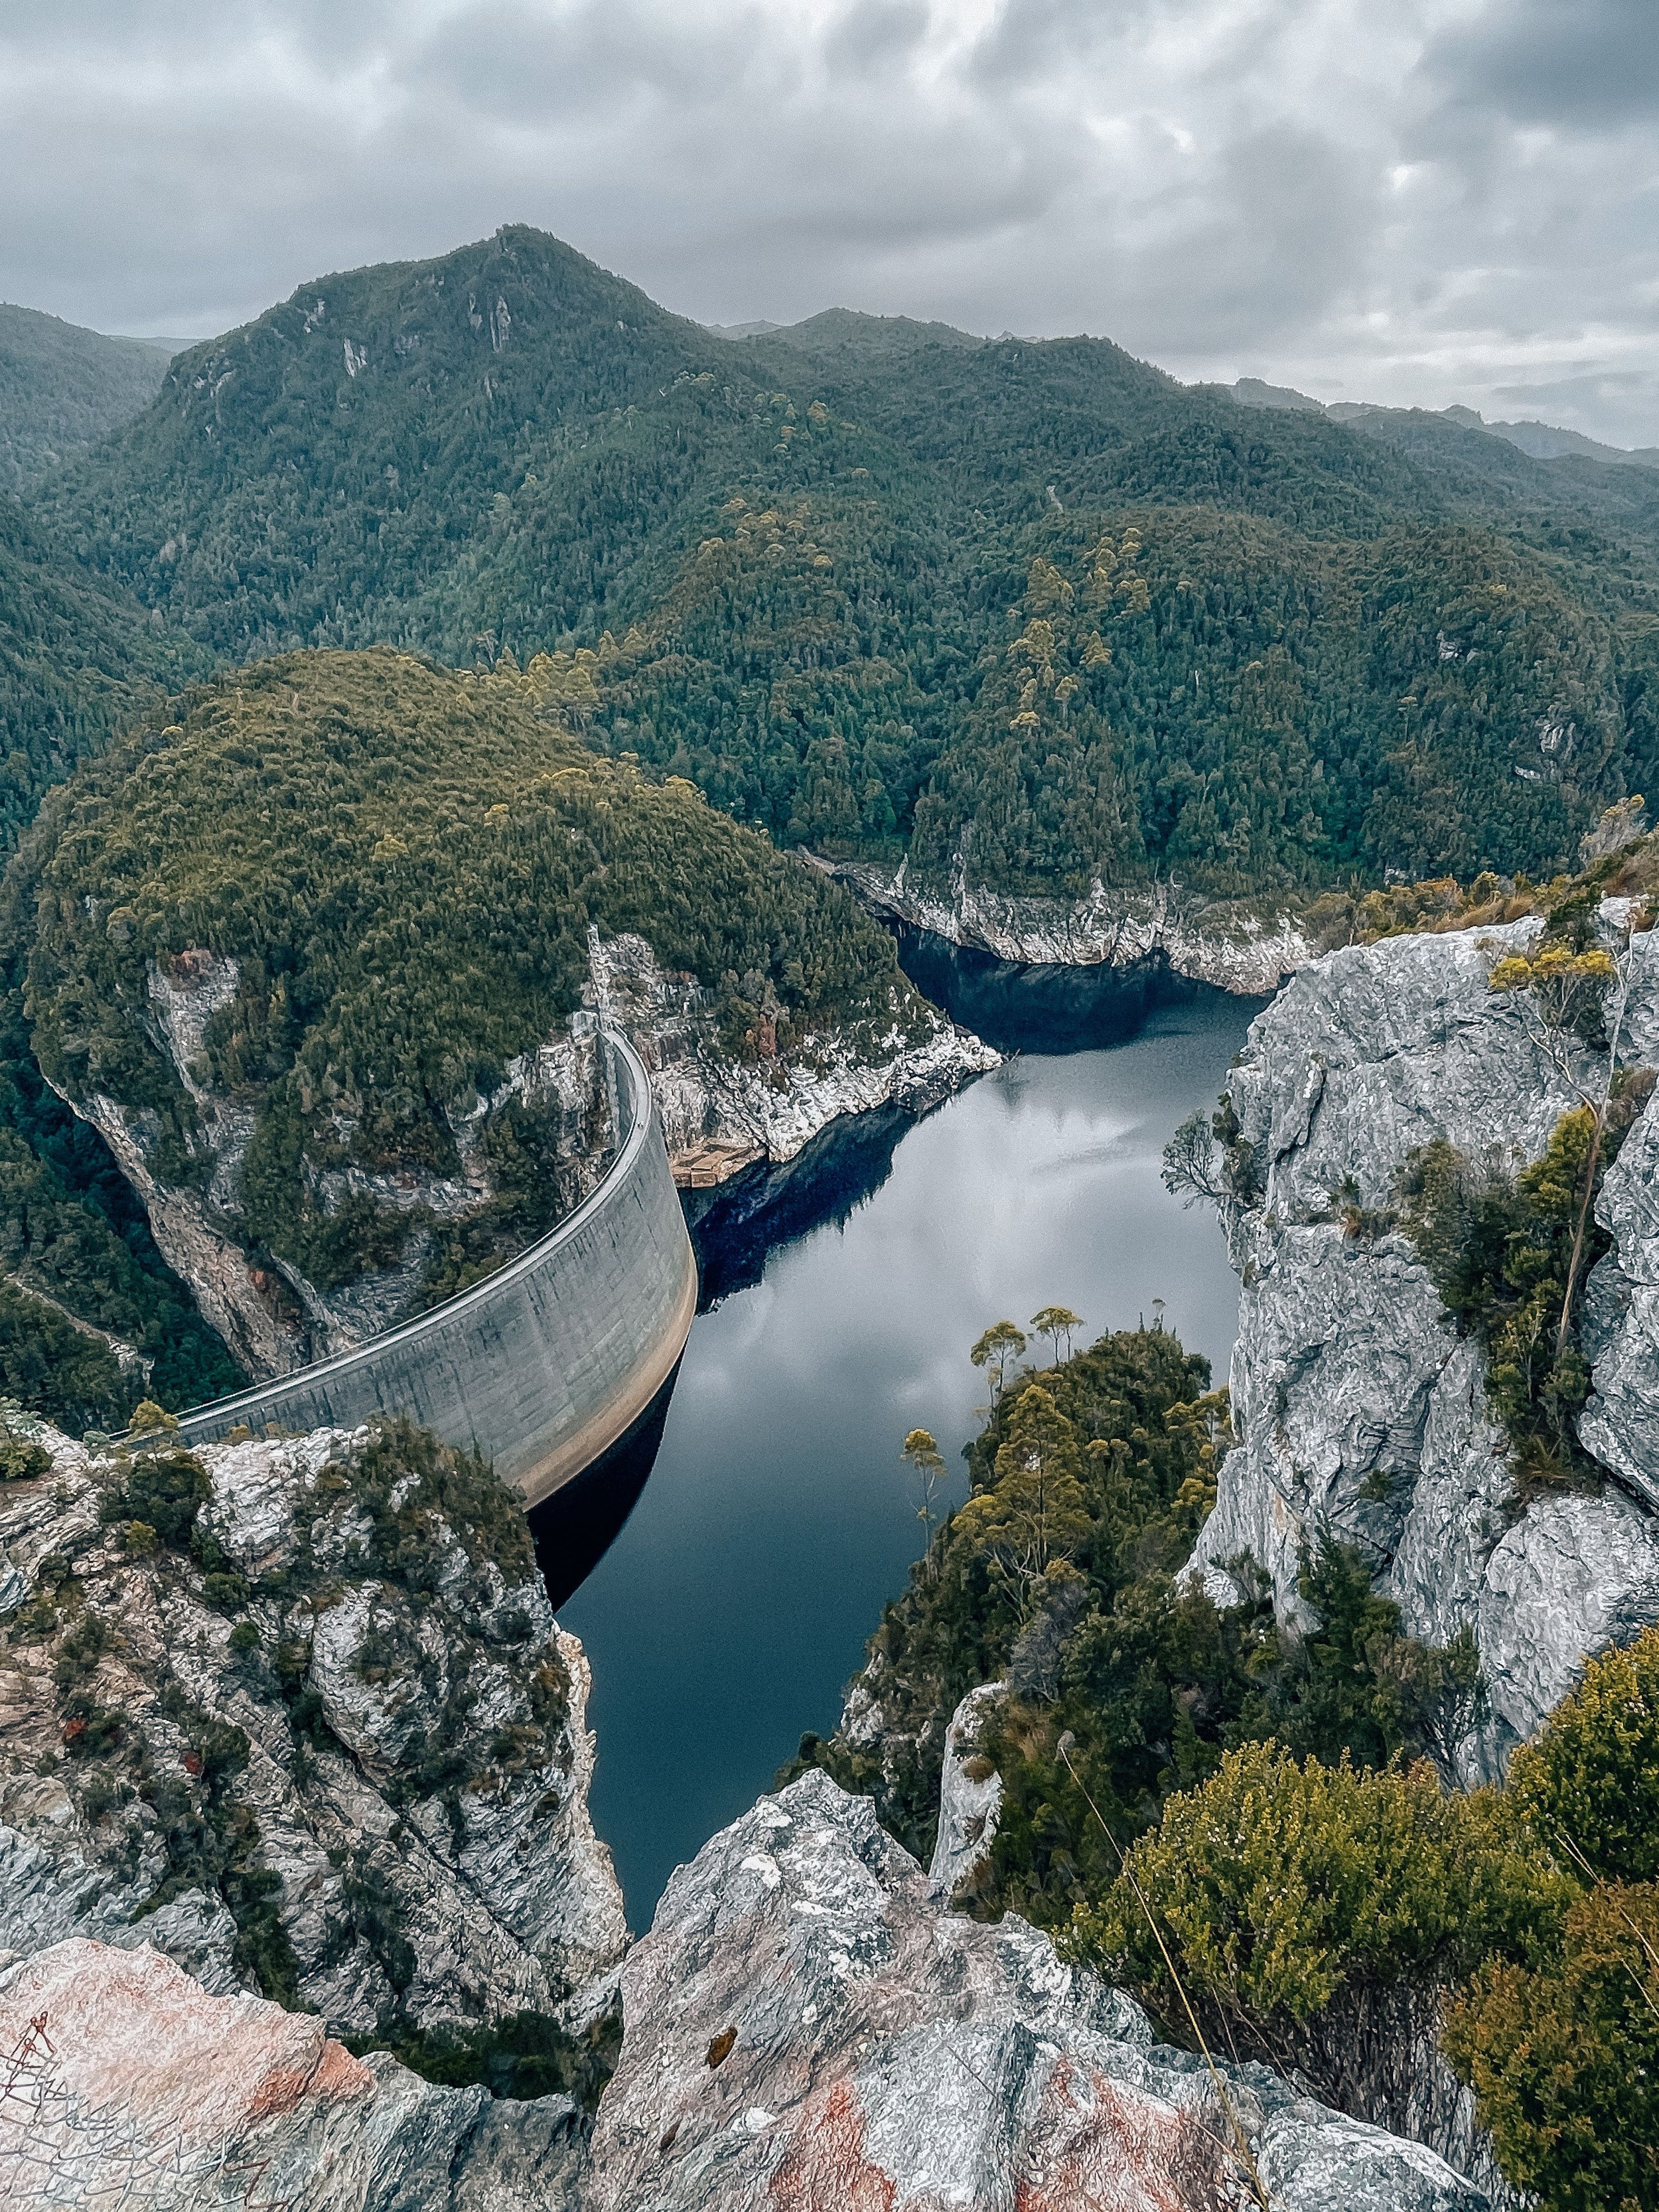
x,y
1193,1165
922,1455
996,1351
1055,1322
1034,1515
1572,999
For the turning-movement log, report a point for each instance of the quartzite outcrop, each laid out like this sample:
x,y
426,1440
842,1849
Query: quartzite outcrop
x,y
128,2084
1358,1405
1247,946
807,2030
312,1727
297,1714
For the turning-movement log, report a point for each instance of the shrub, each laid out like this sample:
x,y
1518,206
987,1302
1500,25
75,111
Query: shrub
x,y
1565,2063
20,1458
1314,1915
225,1593
166,1490
1590,1780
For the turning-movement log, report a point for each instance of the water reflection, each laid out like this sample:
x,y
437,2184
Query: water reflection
x,y
738,1227
1041,1009
574,1528
735,1601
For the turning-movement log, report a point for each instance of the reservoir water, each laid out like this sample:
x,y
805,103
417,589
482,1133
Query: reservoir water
x,y
734,1603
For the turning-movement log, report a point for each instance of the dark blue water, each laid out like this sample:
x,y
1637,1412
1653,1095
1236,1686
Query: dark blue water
x,y
734,1604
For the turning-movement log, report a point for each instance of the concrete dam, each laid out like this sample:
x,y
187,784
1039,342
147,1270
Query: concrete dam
x,y
544,1364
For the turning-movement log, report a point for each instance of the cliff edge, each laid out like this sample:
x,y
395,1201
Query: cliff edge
x,y
1360,1405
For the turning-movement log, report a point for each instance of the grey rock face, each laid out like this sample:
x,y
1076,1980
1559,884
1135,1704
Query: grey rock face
x,y
719,1114
1244,946
1357,1405
201,1231
806,2029
144,2091
969,1804
407,1762
1621,1425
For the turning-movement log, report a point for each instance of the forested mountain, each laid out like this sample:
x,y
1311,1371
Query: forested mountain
x,y
370,883
62,389
869,338
1033,610
78,657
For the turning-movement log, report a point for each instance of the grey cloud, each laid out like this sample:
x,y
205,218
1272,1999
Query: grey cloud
x,y
528,66
1624,402
1574,62
1326,192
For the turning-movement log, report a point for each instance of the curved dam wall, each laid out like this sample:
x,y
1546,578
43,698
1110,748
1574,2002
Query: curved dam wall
x,y
544,1364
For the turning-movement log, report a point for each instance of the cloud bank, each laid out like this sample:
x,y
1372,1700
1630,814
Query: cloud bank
x,y
1407,200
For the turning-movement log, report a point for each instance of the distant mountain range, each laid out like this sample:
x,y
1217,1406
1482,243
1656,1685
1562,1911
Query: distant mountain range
x,y
62,389
1544,441
1030,614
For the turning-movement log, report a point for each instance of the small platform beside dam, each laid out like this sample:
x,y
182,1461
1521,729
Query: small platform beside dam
x,y
543,1366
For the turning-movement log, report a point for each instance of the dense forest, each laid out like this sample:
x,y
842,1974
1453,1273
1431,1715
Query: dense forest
x,y
1034,612
77,661
404,863
452,608
1032,615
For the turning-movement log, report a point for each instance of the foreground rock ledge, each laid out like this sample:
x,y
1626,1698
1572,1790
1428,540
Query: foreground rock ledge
x,y
806,2029
125,2083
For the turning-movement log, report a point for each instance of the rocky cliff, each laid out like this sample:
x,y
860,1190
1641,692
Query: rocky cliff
x,y
720,1114
127,2083
293,1717
1358,1406
273,1317
297,1714
1242,946
806,2029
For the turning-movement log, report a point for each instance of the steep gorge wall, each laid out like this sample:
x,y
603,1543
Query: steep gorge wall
x,y
1242,945
541,1366
374,1779
1358,1406
720,1114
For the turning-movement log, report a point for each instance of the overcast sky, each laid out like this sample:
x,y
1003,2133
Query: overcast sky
x,y
1408,200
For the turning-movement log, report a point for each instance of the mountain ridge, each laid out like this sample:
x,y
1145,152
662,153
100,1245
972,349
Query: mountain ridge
x,y
814,558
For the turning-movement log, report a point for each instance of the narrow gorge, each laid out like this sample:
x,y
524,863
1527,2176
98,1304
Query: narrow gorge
x,y
829,1267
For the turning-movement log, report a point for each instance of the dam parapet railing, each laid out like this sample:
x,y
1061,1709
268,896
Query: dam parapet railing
x,y
542,1365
